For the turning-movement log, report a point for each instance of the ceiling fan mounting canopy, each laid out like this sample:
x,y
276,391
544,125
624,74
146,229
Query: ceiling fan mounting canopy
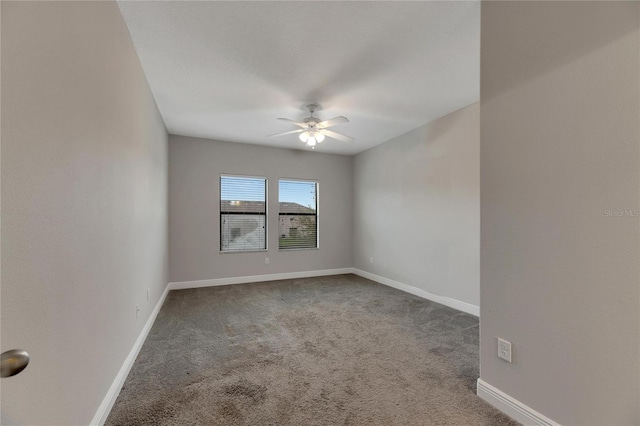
x,y
313,131
312,108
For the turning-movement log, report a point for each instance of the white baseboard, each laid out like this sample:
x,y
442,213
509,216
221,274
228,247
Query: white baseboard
x,y
511,406
443,300
447,301
112,394
256,278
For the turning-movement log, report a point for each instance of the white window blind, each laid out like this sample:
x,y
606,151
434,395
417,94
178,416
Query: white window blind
x,y
243,213
298,215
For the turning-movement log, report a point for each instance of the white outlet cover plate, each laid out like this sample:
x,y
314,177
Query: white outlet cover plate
x,y
504,349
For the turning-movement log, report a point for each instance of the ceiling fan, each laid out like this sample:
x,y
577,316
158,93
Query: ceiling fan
x,y
313,130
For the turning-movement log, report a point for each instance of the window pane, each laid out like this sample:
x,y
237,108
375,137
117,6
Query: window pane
x,y
243,213
298,220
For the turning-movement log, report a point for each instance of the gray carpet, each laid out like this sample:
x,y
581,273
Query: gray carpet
x,y
338,350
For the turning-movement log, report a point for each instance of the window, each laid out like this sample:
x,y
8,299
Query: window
x,y
298,217
243,213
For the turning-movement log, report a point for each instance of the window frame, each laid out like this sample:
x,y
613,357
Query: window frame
x,y
266,213
317,213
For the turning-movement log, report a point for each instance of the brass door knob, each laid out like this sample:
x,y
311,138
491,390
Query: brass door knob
x,y
13,362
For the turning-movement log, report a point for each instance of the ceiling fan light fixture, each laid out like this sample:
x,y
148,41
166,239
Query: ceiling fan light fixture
x,y
311,137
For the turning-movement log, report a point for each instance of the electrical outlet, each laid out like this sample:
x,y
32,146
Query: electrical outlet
x,y
137,309
371,259
504,349
266,260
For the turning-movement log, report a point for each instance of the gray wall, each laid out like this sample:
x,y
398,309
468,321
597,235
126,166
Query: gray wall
x,y
417,207
84,205
195,166
560,138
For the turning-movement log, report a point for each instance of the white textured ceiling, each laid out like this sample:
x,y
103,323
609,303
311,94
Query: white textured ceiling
x,y
227,70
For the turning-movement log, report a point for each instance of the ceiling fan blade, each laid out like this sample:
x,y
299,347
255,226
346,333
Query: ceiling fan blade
x,y
338,136
297,123
332,122
287,133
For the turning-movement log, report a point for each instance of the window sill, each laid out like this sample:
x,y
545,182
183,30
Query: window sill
x,y
243,251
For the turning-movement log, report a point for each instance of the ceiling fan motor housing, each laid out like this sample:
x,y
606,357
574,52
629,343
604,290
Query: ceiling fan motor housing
x,y
312,121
